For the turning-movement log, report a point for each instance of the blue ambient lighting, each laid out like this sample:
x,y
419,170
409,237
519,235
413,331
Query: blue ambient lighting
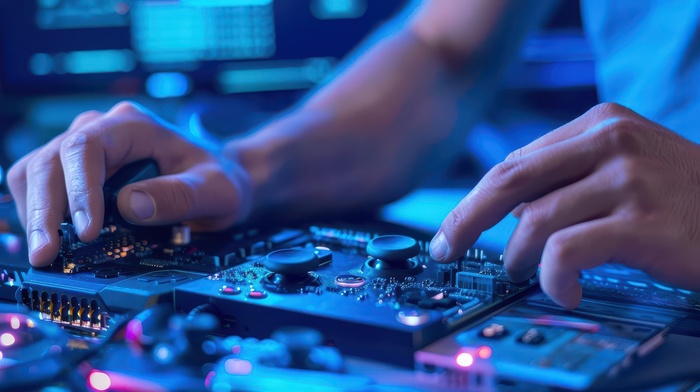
x,y
189,31
41,64
338,9
99,61
275,75
167,85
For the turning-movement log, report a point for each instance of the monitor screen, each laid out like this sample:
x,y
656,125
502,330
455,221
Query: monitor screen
x,y
170,47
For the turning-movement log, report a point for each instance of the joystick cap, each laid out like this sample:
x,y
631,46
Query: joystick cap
x,y
393,247
291,261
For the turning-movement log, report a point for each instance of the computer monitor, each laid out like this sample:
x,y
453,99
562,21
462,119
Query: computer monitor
x,y
171,47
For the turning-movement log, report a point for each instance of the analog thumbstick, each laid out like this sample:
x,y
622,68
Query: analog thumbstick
x,y
393,247
291,261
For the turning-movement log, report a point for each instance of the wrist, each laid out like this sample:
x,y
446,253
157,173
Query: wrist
x,y
242,181
270,159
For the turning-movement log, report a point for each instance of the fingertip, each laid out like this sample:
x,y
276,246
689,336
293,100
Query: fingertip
x,y
518,211
87,228
43,249
569,298
521,275
439,247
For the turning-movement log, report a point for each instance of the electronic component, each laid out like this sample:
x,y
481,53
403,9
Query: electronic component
x,y
129,269
13,265
351,285
536,342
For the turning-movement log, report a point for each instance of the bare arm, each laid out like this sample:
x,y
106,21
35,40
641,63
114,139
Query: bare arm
x,y
363,139
385,122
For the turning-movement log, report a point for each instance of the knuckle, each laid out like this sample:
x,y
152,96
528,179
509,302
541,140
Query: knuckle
x,y
76,143
630,176
620,135
85,117
632,181
559,248
16,177
73,150
125,107
456,218
509,174
532,219
40,165
515,154
609,109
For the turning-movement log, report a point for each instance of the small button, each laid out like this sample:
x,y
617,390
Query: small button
x,y
412,318
494,331
532,336
350,281
229,290
257,294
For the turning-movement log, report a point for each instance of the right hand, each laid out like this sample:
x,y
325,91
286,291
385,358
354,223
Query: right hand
x,y
67,174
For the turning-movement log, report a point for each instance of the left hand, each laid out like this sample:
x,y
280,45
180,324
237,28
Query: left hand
x,y
610,186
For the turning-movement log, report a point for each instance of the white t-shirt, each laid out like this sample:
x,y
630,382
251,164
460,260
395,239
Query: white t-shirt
x,y
647,56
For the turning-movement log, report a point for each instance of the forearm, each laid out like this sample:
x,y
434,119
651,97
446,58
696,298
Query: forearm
x,y
364,158
383,124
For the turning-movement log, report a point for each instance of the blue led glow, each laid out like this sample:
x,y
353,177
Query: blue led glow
x,y
163,353
662,287
338,9
275,75
41,64
167,85
99,61
62,14
99,381
188,31
7,339
225,3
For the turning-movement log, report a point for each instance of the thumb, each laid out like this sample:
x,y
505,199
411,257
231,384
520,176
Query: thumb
x,y
203,194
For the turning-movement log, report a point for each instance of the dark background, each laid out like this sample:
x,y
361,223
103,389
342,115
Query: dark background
x,y
54,54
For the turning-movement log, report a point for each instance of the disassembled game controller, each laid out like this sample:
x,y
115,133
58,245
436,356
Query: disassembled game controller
x,y
369,290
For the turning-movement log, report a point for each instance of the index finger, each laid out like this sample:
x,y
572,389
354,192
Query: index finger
x,y
554,160
508,184
573,128
89,155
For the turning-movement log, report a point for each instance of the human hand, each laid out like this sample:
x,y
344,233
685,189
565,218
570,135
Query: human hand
x,y
610,186
67,174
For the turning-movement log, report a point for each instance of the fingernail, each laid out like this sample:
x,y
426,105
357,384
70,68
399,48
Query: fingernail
x,y
439,246
37,240
81,221
142,205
